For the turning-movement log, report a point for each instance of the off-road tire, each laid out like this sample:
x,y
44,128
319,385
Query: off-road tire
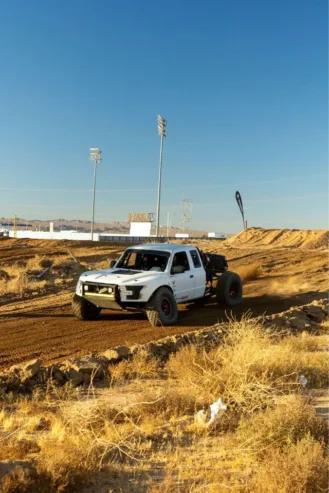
x,y
83,309
229,289
162,308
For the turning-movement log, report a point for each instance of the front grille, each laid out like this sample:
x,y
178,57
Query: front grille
x,y
96,288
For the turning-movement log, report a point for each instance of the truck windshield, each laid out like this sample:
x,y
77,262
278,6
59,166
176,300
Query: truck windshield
x,y
142,260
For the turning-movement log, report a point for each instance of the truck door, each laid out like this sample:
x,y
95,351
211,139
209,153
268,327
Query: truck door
x,y
199,274
183,283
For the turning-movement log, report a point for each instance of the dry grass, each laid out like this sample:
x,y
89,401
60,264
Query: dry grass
x,y
269,439
21,276
238,370
141,366
250,272
290,421
300,468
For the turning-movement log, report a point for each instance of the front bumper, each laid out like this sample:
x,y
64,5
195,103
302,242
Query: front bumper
x,y
99,295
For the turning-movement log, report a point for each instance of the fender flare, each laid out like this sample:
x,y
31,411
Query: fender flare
x,y
159,287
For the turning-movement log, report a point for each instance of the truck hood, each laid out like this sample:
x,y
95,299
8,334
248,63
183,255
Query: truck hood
x,y
120,276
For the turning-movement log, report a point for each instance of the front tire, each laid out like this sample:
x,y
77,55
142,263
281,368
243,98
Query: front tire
x,y
229,289
83,309
163,308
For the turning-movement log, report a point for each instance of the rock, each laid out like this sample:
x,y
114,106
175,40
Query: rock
x,y
315,313
95,366
59,376
30,368
156,349
117,354
75,377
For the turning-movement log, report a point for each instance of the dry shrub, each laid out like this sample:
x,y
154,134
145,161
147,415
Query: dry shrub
x,y
237,370
38,263
70,462
249,368
61,259
17,449
18,284
26,480
250,272
324,327
290,421
300,468
164,405
288,358
141,366
103,264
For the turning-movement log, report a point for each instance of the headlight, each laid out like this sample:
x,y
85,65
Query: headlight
x,y
110,290
86,287
133,292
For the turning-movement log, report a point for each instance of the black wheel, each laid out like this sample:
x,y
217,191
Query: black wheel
x,y
162,309
229,289
83,309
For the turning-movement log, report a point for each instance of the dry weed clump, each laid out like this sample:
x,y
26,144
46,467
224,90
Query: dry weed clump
x,y
141,366
38,263
237,370
301,467
250,272
250,367
291,420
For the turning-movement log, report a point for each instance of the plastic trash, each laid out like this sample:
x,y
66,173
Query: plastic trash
x,y
303,381
216,409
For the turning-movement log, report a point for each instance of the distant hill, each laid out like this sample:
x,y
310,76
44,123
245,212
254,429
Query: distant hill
x,y
84,226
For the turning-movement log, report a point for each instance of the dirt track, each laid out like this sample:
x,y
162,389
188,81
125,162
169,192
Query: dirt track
x,y
42,326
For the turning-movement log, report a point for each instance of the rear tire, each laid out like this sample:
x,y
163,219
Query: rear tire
x,y
162,309
229,289
83,309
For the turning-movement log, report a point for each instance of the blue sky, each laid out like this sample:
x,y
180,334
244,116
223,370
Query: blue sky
x,y
243,86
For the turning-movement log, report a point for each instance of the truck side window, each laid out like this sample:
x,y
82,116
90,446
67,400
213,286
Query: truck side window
x,y
195,258
181,259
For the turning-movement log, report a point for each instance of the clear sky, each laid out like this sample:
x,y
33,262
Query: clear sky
x,y
242,84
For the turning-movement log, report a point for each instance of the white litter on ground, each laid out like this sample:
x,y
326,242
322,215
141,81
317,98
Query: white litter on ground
x,y
217,408
303,380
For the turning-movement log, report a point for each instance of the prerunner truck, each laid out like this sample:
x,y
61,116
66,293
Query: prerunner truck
x,y
155,278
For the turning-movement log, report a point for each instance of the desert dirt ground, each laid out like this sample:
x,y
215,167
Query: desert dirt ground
x,y
39,324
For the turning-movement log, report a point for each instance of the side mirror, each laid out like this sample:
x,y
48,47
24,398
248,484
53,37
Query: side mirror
x,y
112,263
178,269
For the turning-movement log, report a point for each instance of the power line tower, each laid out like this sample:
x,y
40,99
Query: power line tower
x,y
186,215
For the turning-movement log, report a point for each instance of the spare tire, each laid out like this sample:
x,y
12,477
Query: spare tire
x,y
229,289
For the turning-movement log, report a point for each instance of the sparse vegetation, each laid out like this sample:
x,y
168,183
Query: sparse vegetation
x,y
142,431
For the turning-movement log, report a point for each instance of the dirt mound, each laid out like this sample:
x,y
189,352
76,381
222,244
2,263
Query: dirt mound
x,y
293,238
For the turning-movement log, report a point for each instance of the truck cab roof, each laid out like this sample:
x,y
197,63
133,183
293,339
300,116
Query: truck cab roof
x,y
165,247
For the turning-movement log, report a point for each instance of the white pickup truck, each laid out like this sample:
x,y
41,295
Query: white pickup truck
x,y
155,278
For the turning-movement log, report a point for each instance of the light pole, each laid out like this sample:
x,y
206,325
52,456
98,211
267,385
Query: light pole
x,y
162,123
95,157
